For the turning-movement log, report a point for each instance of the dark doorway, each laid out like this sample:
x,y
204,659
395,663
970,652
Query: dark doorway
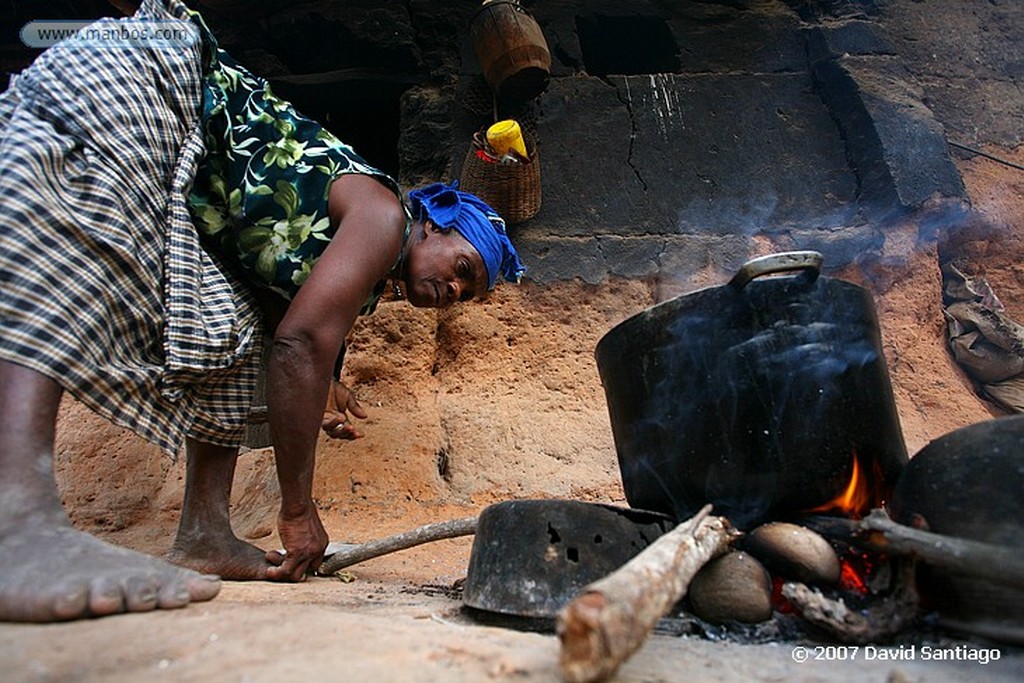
x,y
363,114
627,45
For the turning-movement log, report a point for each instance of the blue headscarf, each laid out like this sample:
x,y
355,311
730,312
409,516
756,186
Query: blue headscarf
x,y
448,207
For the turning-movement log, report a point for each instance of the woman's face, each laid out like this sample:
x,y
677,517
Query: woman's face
x,y
442,268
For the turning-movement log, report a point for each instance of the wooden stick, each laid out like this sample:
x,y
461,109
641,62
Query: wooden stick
x,y
437,531
610,619
878,532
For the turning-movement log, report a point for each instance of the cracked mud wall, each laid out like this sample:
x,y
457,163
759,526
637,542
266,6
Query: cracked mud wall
x,y
509,393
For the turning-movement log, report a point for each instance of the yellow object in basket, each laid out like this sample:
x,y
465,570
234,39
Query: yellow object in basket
x,y
505,136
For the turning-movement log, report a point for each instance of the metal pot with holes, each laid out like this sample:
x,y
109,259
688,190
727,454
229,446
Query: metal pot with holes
x,y
531,557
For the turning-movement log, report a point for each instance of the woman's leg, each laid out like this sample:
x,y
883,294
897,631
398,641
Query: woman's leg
x,y
48,570
205,540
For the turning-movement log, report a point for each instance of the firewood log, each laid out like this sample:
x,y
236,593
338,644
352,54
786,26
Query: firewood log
x,y
611,618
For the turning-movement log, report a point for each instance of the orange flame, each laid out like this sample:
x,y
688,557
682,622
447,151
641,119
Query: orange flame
x,y
855,500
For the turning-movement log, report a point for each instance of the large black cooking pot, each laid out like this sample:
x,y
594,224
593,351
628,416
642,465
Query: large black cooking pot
x,y
754,396
969,484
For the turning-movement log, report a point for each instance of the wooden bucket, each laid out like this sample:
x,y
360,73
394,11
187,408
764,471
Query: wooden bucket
x,y
512,51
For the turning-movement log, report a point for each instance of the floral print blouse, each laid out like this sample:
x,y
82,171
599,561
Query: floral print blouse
x,y
260,196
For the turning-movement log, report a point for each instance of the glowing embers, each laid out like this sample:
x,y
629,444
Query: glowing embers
x,y
856,570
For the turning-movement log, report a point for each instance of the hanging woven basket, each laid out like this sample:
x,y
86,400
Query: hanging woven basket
x,y
512,189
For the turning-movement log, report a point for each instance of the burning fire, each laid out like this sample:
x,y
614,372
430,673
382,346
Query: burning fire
x,y
863,491
856,500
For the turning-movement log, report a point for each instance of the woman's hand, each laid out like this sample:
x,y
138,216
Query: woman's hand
x,y
304,540
340,402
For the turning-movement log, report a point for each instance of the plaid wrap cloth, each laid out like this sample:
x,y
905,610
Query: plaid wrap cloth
x,y
104,286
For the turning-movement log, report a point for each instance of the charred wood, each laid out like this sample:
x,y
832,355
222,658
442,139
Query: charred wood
x,y
881,534
882,620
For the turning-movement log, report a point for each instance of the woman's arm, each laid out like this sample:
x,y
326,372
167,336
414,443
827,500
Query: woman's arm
x,y
371,223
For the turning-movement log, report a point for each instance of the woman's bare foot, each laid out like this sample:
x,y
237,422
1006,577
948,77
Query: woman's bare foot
x,y
49,571
54,573
227,556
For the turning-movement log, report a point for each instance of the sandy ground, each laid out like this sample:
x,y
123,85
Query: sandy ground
x,y
481,404
373,631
